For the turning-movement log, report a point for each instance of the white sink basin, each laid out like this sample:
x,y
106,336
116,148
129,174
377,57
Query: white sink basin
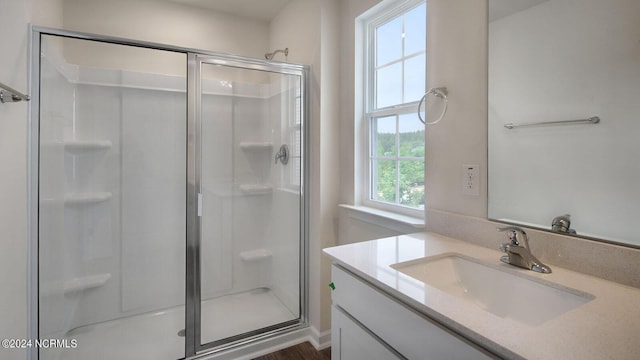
x,y
494,288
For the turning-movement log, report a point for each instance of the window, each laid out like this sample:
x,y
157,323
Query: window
x,y
395,79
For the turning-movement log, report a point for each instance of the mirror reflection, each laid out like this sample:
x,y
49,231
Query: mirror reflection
x,y
552,62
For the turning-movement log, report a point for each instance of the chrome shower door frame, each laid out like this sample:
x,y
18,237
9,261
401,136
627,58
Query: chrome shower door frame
x,y
194,90
195,57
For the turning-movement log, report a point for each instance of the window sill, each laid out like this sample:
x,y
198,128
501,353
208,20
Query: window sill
x,y
383,218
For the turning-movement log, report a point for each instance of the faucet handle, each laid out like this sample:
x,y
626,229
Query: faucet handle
x,y
516,235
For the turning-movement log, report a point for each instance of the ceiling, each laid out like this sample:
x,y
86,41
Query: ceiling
x,y
264,10
503,8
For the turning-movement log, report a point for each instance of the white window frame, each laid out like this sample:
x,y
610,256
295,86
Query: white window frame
x,y
368,25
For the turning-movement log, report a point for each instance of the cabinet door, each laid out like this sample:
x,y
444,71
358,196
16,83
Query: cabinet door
x,y
350,341
399,327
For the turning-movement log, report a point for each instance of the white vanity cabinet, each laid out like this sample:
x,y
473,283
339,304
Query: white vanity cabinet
x,y
351,340
369,324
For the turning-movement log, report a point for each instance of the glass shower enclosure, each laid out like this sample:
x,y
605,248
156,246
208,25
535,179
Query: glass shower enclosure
x,y
167,207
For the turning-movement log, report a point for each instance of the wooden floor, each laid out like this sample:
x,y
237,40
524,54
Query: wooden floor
x,y
304,351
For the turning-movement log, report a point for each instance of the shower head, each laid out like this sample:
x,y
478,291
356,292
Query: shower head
x,y
269,56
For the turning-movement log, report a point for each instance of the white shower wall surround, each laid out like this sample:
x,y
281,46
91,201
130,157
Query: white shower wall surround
x,y
99,121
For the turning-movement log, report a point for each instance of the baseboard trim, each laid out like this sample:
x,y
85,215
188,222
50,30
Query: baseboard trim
x,y
319,340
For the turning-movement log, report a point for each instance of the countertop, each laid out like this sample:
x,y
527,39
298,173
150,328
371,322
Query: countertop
x,y
607,327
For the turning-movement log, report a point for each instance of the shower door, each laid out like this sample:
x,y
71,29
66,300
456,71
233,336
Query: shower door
x,y
111,179
248,171
167,216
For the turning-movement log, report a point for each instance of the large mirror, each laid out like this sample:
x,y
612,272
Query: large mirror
x,y
552,62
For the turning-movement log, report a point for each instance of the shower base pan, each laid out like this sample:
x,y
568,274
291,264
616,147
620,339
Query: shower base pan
x,y
158,335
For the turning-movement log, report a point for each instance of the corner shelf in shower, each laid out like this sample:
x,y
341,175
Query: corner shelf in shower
x,y
80,146
255,255
86,198
85,283
255,189
257,146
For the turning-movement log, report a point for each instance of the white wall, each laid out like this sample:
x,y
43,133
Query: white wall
x,y
456,58
350,105
314,41
168,23
14,19
567,169
355,226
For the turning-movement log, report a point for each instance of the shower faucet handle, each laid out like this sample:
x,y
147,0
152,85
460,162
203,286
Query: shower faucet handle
x,y
283,154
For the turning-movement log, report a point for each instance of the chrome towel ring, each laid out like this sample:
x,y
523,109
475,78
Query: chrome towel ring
x,y
440,92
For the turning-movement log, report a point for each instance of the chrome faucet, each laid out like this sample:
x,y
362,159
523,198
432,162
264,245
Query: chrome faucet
x,y
518,251
562,224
